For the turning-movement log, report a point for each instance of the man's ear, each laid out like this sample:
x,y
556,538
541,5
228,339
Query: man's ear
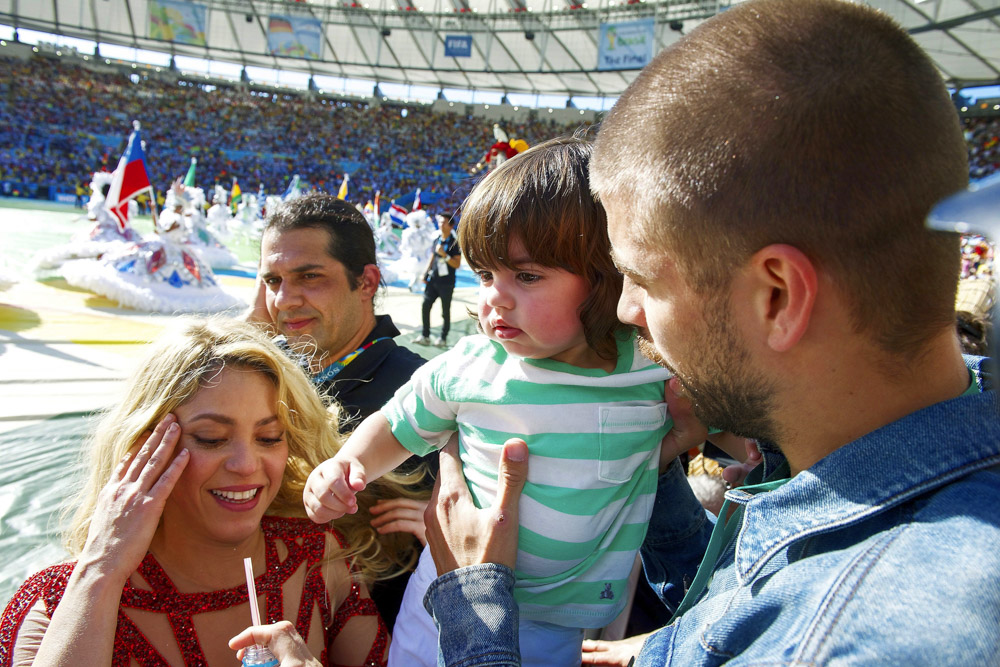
x,y
369,279
785,283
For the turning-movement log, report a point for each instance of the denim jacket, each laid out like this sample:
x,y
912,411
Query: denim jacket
x,y
885,552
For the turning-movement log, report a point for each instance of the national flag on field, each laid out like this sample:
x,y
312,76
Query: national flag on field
x,y
416,200
236,196
397,214
378,194
129,179
342,193
189,179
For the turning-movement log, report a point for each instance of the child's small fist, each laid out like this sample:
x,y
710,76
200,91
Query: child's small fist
x,y
331,490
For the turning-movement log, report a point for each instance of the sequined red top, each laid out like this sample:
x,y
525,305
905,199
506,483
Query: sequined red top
x,y
305,542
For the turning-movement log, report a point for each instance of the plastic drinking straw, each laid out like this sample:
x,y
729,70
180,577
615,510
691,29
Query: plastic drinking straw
x,y
252,591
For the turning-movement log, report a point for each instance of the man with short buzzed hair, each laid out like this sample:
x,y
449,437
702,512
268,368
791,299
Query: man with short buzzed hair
x,y
767,180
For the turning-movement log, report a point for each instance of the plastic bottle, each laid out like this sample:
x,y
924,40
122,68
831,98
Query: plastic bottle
x,y
259,656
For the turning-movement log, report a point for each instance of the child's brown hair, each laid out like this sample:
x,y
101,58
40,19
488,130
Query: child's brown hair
x,y
542,198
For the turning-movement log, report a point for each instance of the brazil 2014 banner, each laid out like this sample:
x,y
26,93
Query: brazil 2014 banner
x,y
626,45
294,37
177,21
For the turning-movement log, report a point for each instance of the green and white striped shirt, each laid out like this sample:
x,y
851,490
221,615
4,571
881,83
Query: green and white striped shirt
x,y
594,439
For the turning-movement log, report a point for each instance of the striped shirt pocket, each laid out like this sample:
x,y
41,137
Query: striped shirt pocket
x,y
625,442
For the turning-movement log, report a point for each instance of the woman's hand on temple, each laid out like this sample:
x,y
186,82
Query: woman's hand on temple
x,y
400,515
129,506
125,517
458,533
282,639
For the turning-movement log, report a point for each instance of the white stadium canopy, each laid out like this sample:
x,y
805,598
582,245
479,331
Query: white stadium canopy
x,y
511,47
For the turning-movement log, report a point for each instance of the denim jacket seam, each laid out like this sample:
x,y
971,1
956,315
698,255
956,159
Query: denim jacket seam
x,y
869,558
914,491
495,657
866,560
703,637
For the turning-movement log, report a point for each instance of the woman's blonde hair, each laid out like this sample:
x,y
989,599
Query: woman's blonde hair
x,y
175,368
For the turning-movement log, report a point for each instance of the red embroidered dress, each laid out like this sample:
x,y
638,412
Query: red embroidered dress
x,y
305,542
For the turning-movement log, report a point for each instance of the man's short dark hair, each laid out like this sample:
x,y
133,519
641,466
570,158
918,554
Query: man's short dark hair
x,y
818,124
351,241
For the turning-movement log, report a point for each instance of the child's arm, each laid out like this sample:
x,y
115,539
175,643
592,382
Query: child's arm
x,y
370,452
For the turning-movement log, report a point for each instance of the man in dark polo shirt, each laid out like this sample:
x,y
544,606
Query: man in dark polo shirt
x,y
318,282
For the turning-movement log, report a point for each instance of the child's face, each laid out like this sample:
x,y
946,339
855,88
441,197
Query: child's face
x,y
534,311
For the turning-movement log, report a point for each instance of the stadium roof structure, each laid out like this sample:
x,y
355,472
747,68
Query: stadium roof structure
x,y
510,46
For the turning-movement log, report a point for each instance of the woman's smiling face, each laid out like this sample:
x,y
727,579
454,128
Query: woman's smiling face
x,y
238,455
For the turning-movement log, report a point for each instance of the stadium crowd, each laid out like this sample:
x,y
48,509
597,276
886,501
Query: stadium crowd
x,y
983,137
61,122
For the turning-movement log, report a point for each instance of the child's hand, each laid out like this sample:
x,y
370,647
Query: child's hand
x,y
735,474
687,431
331,490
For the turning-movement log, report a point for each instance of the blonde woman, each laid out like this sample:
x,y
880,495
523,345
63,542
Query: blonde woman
x,y
200,465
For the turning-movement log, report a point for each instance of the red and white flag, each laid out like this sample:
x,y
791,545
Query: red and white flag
x,y
129,180
398,214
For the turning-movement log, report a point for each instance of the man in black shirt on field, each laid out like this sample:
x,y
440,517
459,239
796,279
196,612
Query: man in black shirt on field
x,y
439,281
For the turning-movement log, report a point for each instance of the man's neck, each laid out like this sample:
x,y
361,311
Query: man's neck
x,y
859,391
358,340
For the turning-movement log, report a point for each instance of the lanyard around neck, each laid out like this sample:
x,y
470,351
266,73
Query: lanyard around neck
x,y
333,369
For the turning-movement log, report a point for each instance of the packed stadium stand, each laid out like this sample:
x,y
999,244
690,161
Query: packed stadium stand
x,y
59,122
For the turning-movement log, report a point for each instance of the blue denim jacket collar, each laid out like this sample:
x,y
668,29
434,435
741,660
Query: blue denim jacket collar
x,y
857,481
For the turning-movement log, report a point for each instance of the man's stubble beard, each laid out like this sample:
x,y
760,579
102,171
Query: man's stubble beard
x,y
725,392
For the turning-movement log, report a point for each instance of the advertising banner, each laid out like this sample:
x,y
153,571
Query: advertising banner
x,y
295,37
177,21
458,46
626,45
